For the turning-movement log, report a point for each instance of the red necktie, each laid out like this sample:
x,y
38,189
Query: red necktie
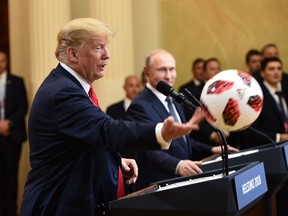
x,y
93,96
120,190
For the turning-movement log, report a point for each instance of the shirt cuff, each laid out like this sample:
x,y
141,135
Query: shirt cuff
x,y
277,138
176,170
163,144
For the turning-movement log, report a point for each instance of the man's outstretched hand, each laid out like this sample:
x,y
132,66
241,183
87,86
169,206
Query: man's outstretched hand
x,y
173,130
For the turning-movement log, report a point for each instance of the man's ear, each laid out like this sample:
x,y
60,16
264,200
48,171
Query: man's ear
x,y
145,70
72,55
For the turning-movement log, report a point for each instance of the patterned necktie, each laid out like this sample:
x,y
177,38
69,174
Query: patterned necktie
x,y
120,189
93,96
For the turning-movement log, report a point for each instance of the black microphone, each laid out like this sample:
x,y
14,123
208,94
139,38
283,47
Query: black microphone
x,y
167,90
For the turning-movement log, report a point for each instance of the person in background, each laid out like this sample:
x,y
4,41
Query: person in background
x,y
211,67
253,60
206,133
13,110
151,106
272,120
195,85
74,146
269,50
132,87
197,78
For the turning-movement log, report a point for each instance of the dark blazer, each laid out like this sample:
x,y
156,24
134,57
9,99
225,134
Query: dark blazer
x,y
16,107
160,165
205,131
73,150
269,122
117,110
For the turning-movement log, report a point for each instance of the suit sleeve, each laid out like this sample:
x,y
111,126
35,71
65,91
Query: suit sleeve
x,y
158,159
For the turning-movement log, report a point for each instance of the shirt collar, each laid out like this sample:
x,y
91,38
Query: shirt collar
x,y
196,82
271,89
127,103
82,81
3,76
158,94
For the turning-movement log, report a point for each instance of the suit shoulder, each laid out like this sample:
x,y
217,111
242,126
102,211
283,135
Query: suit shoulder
x,y
186,85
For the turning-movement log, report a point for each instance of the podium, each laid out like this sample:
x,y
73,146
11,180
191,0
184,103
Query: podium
x,y
275,159
205,194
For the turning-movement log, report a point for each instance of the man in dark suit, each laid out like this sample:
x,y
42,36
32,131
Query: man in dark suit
x,y
198,79
75,165
150,107
132,87
13,109
272,120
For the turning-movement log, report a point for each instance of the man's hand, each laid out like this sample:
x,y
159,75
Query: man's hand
x,y
4,127
173,130
188,167
130,170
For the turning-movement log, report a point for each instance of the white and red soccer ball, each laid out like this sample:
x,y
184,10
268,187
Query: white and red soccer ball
x,y
232,100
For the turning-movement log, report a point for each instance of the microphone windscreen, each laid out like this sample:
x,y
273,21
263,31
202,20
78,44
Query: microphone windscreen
x,y
164,88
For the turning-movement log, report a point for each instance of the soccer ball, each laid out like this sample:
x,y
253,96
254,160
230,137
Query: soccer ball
x,y
232,100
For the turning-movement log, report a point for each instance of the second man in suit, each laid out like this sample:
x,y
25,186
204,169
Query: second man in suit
x,y
132,87
151,106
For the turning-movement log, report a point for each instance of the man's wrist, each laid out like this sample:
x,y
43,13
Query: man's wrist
x,y
158,131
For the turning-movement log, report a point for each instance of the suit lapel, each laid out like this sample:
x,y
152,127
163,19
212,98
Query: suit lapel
x,y
156,104
161,110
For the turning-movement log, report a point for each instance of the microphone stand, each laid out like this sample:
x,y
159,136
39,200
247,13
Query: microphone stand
x,y
219,133
224,152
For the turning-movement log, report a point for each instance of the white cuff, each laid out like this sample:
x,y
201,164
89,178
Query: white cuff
x,y
158,131
277,138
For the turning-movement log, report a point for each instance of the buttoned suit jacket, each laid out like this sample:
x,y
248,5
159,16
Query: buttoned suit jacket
x,y
74,150
160,165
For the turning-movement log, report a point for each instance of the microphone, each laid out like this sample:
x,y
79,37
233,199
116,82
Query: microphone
x,y
180,98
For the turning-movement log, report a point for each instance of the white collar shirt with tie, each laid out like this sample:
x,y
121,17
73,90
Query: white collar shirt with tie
x,y
162,99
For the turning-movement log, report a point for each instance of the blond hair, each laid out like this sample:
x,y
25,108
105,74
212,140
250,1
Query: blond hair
x,y
78,31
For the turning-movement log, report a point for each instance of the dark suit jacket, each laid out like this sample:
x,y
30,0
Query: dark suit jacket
x,y
269,122
203,134
73,150
117,110
16,107
161,165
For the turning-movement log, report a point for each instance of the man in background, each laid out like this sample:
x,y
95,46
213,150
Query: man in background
x,y
132,87
197,78
13,109
253,60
